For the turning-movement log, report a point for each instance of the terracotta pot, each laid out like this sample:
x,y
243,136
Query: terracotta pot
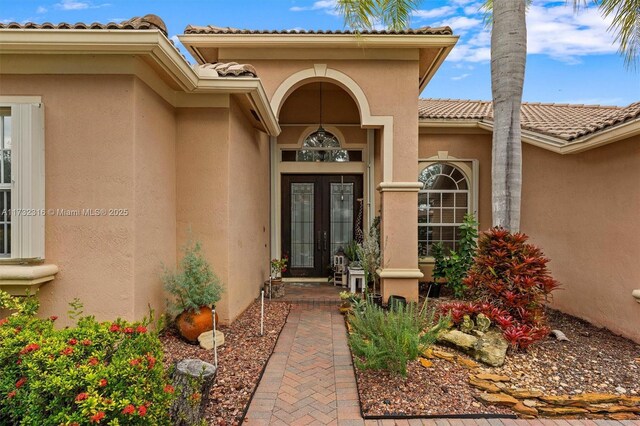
x,y
191,325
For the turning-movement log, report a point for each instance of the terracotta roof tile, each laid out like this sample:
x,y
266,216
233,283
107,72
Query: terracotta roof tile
x,y
212,29
564,121
229,69
147,22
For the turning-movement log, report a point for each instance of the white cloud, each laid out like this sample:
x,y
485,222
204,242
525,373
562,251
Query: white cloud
x,y
78,5
434,13
327,6
460,77
460,23
41,9
7,21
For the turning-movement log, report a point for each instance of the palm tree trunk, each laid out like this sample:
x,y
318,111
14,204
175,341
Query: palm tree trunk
x,y
508,57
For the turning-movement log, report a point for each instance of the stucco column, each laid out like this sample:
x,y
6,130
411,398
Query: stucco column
x,y
399,271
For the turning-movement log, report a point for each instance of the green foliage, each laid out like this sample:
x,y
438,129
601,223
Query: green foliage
x,y
364,15
369,255
455,267
388,340
196,285
351,251
108,373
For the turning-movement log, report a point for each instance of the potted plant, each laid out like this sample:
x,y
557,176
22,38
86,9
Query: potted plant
x,y
278,267
195,290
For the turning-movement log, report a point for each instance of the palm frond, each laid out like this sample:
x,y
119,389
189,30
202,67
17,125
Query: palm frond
x,y
396,14
625,26
362,15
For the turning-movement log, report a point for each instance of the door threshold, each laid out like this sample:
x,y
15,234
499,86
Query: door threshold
x,y
306,280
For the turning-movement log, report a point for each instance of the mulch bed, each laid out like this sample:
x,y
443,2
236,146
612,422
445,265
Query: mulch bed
x,y
594,360
241,359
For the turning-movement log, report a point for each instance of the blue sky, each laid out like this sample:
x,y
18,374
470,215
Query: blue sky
x,y
571,56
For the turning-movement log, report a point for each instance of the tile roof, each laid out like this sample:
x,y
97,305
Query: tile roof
x,y
229,69
564,121
212,29
147,22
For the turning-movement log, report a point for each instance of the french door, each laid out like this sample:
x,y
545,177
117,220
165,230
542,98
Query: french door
x,y
319,216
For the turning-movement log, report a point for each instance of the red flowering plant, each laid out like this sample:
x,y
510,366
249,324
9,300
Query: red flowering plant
x,y
278,266
510,283
80,375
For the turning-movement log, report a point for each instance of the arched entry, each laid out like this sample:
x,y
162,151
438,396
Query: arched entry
x,y
318,191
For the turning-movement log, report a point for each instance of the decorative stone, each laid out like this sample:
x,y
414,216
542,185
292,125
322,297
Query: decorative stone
x,y
483,323
206,339
467,324
491,348
596,398
523,409
498,399
630,400
562,400
444,355
530,403
622,416
425,363
426,352
460,340
559,335
493,377
604,408
620,389
524,393
467,363
483,385
561,411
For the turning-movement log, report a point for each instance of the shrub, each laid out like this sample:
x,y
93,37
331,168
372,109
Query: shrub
x,y
196,286
511,281
94,373
388,340
456,265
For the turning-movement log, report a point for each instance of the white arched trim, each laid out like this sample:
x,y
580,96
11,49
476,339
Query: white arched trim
x,y
320,72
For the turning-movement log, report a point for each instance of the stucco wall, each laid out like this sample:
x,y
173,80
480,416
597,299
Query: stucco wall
x,y
155,197
582,209
249,212
202,177
88,163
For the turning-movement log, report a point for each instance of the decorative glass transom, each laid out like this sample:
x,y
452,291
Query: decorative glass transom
x,y
322,146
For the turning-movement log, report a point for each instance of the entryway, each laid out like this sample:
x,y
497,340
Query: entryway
x,y
320,214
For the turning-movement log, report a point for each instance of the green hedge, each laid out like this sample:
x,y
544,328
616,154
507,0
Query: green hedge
x,y
94,373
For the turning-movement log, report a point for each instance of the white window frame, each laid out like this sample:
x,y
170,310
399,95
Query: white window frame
x,y
470,170
27,177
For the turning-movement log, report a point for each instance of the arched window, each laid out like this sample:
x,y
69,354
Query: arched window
x,y
322,146
442,203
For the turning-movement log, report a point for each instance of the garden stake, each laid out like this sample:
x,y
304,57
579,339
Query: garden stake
x,y
215,343
262,314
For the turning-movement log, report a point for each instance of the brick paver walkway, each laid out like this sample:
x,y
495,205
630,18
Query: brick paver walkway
x,y
310,380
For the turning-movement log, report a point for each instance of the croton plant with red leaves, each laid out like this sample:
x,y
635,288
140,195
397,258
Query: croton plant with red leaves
x,y
510,284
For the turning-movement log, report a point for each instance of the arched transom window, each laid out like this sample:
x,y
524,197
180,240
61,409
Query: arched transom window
x,y
323,146
442,203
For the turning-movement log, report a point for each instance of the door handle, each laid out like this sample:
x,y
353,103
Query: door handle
x,y
325,240
318,241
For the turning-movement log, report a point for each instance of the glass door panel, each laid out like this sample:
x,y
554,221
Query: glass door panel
x,y
302,212
341,215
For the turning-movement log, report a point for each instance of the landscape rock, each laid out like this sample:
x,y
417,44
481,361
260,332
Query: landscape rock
x,y
493,377
561,411
470,364
524,393
460,340
491,348
620,389
526,410
630,400
482,323
498,399
427,353
622,416
467,324
425,362
531,403
483,385
206,339
603,408
444,355
559,335
596,398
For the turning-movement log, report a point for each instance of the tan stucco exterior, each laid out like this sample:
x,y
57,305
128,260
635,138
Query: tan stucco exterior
x,y
130,125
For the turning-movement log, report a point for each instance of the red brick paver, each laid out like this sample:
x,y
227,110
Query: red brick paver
x,y
309,380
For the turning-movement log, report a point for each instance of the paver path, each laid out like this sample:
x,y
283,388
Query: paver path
x,y
310,380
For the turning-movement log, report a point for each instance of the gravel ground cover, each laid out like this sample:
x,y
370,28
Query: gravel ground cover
x,y
240,361
593,361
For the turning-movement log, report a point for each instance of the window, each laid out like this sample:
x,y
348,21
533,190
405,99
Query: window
x,y
322,146
442,203
21,178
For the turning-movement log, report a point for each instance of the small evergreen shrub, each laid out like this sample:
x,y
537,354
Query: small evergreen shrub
x,y
388,340
196,285
94,373
455,267
511,282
